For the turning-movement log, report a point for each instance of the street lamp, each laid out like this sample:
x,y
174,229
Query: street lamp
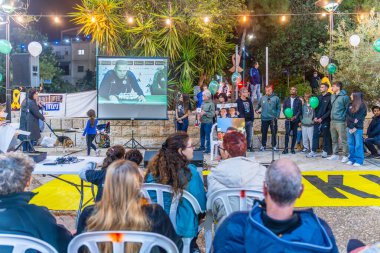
x,y
330,6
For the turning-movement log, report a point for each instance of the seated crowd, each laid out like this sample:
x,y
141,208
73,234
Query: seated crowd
x,y
272,225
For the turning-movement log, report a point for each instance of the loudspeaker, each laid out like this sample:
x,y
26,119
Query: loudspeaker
x,y
25,70
197,159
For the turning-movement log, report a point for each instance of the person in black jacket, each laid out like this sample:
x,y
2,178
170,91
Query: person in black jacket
x,y
373,133
245,109
17,215
322,123
30,114
123,208
355,116
291,124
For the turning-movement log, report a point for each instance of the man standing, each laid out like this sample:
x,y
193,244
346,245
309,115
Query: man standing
x,y
322,123
119,80
274,225
373,133
245,108
339,104
291,124
207,115
270,108
254,74
314,82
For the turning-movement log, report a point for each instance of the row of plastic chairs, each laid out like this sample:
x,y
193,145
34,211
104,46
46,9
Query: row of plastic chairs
x,y
147,239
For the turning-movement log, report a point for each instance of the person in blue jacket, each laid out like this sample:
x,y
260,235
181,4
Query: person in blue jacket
x,y
274,226
373,134
170,166
90,132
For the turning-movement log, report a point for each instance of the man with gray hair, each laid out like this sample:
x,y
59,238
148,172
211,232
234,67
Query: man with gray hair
x,y
207,116
273,225
19,217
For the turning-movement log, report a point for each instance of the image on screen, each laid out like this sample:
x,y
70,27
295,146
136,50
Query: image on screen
x,y
132,88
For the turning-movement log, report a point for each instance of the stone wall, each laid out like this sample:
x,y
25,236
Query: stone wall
x,y
150,133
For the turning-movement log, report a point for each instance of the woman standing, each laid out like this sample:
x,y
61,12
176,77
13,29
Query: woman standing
x,y
355,116
90,132
182,113
30,114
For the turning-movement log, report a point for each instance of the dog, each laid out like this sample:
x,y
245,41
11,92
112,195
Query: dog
x,y
65,141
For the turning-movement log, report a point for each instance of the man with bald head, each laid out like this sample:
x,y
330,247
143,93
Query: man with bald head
x,y
273,225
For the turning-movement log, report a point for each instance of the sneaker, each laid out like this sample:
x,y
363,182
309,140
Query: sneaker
x,y
97,152
275,148
349,163
311,154
333,158
262,148
344,159
324,154
357,165
293,151
305,150
285,152
250,149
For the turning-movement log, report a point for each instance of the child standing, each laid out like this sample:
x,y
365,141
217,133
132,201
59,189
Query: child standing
x,y
90,132
307,124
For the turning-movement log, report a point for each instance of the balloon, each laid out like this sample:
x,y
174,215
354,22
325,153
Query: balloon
x,y
213,87
355,40
5,47
1,77
331,68
324,61
376,45
35,48
314,102
235,78
288,112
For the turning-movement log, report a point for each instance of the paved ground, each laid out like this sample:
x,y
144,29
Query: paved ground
x,y
347,222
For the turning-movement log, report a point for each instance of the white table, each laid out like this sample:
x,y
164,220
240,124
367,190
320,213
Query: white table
x,y
66,169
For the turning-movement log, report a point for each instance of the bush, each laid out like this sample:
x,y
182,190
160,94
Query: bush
x,y
282,90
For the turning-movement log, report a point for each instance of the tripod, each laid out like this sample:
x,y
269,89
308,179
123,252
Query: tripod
x,y
133,143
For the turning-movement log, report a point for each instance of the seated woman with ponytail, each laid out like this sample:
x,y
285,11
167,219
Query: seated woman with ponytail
x,y
170,166
123,208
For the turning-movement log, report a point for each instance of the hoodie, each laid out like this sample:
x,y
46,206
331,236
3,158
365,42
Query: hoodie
x,y
339,104
271,107
237,172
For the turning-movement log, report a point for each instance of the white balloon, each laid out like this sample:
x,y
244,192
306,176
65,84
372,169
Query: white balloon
x,y
324,61
35,48
354,40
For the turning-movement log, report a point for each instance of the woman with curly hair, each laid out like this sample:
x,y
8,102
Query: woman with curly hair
x,y
170,166
123,208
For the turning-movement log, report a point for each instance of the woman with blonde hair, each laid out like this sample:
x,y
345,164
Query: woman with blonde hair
x,y
122,207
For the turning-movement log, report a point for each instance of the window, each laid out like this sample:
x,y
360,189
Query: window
x,y
80,69
81,52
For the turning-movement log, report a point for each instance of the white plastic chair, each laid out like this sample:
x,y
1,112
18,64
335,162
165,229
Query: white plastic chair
x,y
213,143
160,189
22,243
119,238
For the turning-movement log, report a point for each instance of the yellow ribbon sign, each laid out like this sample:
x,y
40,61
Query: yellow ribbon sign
x,y
16,100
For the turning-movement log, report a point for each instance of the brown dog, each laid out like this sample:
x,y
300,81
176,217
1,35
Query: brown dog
x,y
65,141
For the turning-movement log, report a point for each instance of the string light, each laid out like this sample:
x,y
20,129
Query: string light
x,y
250,36
283,18
244,19
324,14
56,20
168,21
93,19
206,20
20,19
130,20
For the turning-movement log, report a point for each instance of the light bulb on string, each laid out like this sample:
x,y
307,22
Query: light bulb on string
x,y
56,20
206,19
93,19
168,21
244,19
130,20
283,18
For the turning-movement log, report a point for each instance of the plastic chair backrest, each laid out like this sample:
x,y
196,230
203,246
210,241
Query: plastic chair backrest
x,y
22,243
160,189
225,197
119,238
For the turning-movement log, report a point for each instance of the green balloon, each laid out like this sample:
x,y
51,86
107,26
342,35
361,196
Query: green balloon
x,y
314,102
213,87
5,47
376,45
331,68
235,76
1,77
288,112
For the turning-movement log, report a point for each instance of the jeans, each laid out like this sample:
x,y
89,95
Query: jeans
x,y
299,136
183,126
355,146
307,136
324,129
338,131
370,143
249,133
205,135
89,139
290,126
26,146
264,130
255,89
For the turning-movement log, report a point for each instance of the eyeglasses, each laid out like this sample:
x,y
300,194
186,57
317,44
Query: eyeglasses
x,y
191,146
220,148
